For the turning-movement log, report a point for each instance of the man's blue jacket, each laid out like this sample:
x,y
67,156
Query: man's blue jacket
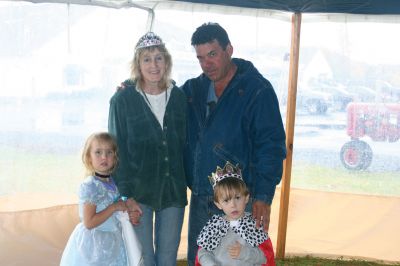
x,y
244,128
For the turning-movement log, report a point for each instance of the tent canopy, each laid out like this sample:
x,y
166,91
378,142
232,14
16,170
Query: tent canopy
x,y
314,6
372,7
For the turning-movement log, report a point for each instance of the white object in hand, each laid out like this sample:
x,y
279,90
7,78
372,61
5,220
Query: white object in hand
x,y
132,243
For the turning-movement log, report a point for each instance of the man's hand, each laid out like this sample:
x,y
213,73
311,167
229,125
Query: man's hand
x,y
121,87
134,211
261,213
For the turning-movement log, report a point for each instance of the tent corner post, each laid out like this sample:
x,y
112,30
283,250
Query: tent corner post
x,y
290,122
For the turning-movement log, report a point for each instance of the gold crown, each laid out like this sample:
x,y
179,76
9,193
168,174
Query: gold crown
x,y
229,170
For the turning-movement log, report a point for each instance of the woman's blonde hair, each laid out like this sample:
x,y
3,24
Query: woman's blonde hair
x,y
136,74
228,187
101,137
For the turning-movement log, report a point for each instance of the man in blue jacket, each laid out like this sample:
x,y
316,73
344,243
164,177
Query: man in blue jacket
x,y
233,115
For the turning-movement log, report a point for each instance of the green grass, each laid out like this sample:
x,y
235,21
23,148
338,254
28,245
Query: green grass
x,y
309,176
31,171
312,261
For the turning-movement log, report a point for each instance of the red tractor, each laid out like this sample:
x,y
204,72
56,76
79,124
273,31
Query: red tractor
x,y
379,121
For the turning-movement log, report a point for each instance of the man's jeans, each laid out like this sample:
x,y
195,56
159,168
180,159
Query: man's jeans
x,y
202,208
167,235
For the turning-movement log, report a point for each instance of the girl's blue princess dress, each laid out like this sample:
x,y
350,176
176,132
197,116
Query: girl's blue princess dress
x,y
102,245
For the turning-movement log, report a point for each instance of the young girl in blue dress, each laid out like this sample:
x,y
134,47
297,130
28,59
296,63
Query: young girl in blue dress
x,y
97,239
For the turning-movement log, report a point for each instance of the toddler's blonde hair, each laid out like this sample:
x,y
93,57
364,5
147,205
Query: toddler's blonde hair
x,y
228,188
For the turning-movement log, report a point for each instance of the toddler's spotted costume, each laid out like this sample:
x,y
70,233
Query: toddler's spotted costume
x,y
219,233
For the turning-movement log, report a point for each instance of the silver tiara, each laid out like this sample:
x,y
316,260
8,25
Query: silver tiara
x,y
229,170
149,39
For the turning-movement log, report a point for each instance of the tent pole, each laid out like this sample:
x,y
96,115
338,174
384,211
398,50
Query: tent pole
x,y
290,122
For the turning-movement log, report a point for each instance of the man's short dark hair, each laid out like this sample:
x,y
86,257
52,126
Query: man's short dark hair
x,y
209,32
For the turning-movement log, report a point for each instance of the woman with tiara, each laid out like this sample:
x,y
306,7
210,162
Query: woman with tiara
x,y
147,118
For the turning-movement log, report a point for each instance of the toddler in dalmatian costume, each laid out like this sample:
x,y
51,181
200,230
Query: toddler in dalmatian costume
x,y
232,239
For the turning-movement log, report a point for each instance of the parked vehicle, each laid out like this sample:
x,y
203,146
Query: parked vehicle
x,y
340,97
363,93
308,101
387,92
314,102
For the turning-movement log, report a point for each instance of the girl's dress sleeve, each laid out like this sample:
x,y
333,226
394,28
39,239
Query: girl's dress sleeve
x,y
88,193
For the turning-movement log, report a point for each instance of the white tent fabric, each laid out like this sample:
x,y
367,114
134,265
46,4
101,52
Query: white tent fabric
x,y
331,225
